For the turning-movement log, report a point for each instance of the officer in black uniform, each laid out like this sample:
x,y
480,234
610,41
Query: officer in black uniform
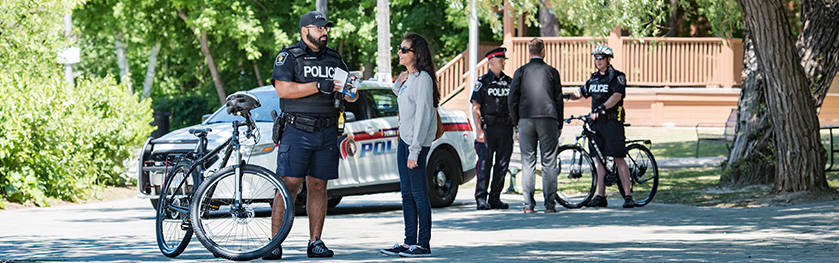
x,y
311,103
607,88
494,130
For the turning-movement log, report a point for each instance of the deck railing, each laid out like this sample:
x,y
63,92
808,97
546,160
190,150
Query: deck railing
x,y
453,76
655,62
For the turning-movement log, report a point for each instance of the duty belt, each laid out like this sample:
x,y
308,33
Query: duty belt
x,y
299,120
496,120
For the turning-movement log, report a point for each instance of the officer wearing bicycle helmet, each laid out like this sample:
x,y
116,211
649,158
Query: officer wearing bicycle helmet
x,y
607,89
311,103
494,130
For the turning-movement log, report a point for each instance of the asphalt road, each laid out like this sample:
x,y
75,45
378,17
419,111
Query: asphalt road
x,y
123,231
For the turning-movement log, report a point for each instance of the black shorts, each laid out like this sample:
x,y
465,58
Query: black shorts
x,y
612,139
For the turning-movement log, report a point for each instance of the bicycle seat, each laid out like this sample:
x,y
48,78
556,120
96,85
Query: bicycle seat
x,y
200,132
241,102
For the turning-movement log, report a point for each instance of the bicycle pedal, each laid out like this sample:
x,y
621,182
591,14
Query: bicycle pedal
x,y
186,225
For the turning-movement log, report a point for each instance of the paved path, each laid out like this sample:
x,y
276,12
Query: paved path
x,y
123,231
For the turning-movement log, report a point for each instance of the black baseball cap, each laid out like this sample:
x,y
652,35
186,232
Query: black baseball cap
x,y
496,53
314,18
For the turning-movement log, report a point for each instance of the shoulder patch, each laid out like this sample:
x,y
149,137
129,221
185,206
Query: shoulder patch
x,y
478,85
281,58
622,79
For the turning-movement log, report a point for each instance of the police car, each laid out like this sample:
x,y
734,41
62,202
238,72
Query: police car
x,y
367,148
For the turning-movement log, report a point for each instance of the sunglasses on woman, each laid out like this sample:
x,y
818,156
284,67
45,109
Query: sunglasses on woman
x,y
403,49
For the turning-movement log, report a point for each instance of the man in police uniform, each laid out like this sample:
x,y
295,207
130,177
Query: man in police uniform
x,y
607,88
311,102
494,130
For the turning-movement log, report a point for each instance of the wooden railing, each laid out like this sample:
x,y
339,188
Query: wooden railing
x,y
453,76
656,62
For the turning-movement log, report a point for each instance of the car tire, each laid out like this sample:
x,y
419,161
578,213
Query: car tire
x,y
154,203
443,173
333,202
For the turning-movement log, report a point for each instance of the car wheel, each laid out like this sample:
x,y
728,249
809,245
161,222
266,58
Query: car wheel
x,y
443,172
333,202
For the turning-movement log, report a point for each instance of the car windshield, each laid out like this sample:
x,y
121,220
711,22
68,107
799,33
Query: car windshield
x,y
267,98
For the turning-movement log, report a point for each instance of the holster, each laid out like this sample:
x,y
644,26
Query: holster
x,y
279,127
495,120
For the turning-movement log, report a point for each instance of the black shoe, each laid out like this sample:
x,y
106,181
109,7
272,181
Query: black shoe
x,y
317,249
276,253
597,201
395,250
483,206
500,205
628,202
416,251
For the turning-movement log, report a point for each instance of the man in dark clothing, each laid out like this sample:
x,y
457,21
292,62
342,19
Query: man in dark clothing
x,y
311,105
607,88
494,130
535,103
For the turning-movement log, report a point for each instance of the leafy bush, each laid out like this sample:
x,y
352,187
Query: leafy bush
x,y
58,141
185,110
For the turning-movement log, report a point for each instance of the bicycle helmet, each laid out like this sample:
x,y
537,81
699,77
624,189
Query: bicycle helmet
x,y
603,50
241,101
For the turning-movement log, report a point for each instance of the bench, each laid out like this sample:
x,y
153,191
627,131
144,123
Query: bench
x,y
726,137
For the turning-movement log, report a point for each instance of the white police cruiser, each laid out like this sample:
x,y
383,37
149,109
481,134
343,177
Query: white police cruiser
x,y
367,148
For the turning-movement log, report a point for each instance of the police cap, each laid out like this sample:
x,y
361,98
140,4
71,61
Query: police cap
x,y
314,18
496,53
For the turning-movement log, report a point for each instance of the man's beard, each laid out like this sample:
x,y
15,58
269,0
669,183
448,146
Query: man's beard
x,y
321,44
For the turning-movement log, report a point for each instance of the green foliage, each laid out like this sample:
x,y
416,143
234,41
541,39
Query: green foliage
x,y
185,110
57,141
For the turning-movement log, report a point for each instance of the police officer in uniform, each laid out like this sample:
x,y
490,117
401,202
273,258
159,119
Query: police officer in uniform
x,y
494,129
607,89
311,103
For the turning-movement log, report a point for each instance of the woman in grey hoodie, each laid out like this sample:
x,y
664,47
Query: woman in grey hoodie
x,y
418,97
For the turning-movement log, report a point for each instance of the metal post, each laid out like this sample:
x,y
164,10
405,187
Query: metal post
x,y
383,24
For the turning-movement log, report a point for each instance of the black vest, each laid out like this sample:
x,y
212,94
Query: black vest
x,y
311,69
494,93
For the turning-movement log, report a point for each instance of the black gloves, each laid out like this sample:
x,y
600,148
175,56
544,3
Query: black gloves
x,y
599,110
326,86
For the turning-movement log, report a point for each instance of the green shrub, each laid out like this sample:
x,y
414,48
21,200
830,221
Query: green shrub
x,y
60,142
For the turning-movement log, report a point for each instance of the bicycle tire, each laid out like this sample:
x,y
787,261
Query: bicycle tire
x,y
576,179
173,211
240,235
643,173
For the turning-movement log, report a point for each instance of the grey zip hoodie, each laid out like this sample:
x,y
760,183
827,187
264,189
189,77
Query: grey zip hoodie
x,y
418,117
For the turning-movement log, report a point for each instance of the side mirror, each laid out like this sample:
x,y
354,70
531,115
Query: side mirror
x,y
205,117
349,116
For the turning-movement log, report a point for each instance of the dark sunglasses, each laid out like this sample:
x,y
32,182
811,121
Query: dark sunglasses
x,y
404,49
599,57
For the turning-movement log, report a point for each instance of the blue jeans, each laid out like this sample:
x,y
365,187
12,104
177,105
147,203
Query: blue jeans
x,y
416,208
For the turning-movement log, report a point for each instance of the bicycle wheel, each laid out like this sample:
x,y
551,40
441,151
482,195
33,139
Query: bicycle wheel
x,y
577,179
643,173
172,224
240,231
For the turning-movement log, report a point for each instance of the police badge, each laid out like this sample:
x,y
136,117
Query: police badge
x,y
281,58
478,86
622,79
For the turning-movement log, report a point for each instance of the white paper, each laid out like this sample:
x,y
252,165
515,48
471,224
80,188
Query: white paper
x,y
341,77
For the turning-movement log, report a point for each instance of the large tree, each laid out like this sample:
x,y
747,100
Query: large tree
x,y
794,88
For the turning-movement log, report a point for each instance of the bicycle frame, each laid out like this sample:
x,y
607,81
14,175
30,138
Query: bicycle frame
x,y
231,146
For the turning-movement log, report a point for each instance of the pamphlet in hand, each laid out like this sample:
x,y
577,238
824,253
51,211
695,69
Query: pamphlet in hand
x,y
344,80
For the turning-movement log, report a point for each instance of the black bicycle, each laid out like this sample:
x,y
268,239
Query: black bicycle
x,y
577,176
225,208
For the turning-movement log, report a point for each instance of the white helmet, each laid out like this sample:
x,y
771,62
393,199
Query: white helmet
x,y
603,50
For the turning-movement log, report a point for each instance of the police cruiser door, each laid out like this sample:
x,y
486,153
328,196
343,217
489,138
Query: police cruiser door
x,y
374,138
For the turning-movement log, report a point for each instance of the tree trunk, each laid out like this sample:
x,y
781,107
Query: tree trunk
x,y
799,155
258,76
550,25
671,21
122,61
205,48
818,45
751,158
150,71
